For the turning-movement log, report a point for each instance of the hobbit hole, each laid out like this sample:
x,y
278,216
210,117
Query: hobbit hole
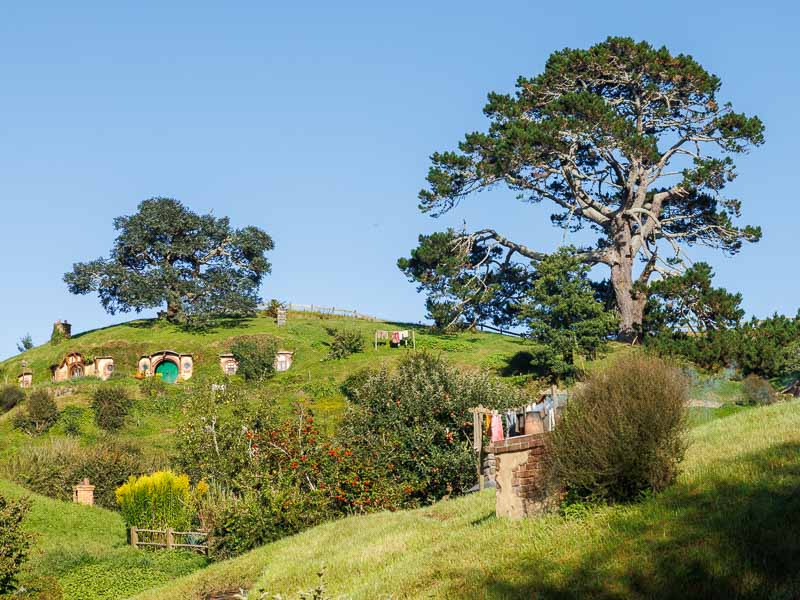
x,y
74,365
168,365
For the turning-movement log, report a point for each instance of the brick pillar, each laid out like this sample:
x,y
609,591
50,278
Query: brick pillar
x,y
520,479
83,493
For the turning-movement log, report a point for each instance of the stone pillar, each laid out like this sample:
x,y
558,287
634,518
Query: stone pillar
x,y
521,476
83,493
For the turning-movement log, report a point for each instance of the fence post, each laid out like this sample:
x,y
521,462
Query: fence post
x,y
134,537
170,539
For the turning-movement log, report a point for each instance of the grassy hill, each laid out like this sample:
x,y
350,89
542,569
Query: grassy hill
x,y
310,377
728,528
441,551
85,550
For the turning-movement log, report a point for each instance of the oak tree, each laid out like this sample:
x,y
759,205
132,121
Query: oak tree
x,y
166,255
626,139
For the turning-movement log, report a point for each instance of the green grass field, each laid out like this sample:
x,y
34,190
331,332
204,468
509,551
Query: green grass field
x,y
728,528
85,549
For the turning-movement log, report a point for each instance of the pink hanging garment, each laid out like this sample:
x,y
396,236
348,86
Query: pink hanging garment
x,y
497,428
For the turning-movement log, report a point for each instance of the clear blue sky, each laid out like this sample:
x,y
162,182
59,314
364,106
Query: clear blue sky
x,y
315,121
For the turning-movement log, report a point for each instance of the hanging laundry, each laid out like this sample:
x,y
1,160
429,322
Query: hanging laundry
x,y
396,337
511,422
497,428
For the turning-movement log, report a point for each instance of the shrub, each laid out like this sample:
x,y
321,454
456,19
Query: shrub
x,y
256,356
14,541
621,435
272,308
156,501
758,390
54,467
40,413
281,474
10,396
345,342
414,423
153,387
71,419
111,406
239,524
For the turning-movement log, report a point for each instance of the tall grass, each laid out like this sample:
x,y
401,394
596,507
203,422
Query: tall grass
x,y
156,501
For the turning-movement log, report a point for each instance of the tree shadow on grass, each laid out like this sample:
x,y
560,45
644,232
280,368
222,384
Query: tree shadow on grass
x,y
722,537
519,364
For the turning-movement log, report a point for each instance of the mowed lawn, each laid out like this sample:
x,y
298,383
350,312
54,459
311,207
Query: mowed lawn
x,y
85,550
729,528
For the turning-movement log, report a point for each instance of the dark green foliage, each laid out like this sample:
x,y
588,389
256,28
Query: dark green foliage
x,y
10,396
770,347
345,342
256,356
414,423
111,405
714,350
71,419
198,265
599,135
25,343
758,390
563,313
767,347
53,468
689,302
242,523
15,543
621,435
39,413
464,280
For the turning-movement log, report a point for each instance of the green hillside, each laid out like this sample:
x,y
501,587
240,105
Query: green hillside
x,y
311,376
728,528
85,549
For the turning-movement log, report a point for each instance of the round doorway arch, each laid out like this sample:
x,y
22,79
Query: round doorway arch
x,y
168,370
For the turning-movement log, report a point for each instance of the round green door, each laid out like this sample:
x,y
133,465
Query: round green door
x,y
168,371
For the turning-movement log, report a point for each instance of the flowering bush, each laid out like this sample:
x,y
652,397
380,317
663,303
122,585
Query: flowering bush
x,y
280,474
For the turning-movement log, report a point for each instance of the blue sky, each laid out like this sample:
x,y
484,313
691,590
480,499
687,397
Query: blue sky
x,y
315,121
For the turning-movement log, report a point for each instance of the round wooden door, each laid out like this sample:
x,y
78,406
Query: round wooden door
x,y
168,371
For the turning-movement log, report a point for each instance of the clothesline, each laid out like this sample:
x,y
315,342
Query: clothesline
x,y
499,424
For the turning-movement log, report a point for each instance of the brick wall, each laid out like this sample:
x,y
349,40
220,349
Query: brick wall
x,y
521,486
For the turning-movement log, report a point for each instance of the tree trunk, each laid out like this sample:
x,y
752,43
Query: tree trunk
x,y
174,310
630,302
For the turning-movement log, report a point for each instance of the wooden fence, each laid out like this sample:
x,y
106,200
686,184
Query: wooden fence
x,y
326,310
169,539
501,331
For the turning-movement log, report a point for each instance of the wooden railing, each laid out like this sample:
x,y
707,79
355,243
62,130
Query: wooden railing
x,y
325,310
484,327
169,539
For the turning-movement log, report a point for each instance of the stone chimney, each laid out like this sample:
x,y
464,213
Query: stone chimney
x,y
64,327
83,493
